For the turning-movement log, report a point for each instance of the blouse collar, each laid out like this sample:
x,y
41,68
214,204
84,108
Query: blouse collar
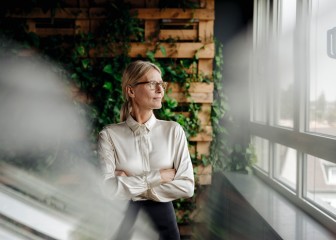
x,y
134,125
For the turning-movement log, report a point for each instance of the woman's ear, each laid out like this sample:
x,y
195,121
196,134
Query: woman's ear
x,y
130,91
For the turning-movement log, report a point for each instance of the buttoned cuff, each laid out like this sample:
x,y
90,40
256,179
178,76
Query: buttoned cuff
x,y
153,178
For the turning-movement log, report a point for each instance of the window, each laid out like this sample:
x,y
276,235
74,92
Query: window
x,y
322,104
285,165
293,101
321,184
262,152
284,81
261,36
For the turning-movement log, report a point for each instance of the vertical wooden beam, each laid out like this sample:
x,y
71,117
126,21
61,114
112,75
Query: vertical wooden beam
x,y
82,26
204,114
31,26
151,30
209,4
151,26
202,148
205,67
206,31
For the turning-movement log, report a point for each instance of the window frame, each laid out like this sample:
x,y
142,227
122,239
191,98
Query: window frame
x,y
298,137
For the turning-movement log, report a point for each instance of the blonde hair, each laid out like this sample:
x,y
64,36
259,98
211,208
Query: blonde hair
x,y
132,74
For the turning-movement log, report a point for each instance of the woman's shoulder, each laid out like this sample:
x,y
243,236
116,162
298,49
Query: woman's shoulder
x,y
169,124
113,126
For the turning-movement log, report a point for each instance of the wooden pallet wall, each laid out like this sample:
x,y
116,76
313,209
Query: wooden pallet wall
x,y
191,28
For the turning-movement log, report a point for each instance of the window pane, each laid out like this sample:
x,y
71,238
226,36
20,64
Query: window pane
x,y
321,183
259,79
285,165
284,80
262,151
322,108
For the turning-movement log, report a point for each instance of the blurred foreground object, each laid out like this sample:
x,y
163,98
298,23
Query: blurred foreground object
x,y
50,187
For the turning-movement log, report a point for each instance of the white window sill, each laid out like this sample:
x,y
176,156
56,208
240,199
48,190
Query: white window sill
x,y
286,219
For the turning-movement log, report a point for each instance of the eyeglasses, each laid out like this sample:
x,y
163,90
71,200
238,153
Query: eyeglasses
x,y
152,84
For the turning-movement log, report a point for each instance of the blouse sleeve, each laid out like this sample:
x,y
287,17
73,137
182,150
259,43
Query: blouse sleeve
x,y
125,187
183,184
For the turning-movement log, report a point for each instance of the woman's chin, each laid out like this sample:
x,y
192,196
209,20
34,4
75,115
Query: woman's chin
x,y
157,106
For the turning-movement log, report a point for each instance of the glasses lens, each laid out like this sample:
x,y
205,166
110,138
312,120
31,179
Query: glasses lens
x,y
154,85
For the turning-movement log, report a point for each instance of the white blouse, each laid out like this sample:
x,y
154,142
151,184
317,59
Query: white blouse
x,y
142,150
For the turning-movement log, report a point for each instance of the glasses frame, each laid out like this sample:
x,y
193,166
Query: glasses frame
x,y
152,84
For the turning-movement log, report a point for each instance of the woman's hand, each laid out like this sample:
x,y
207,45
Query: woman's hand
x,y
120,173
167,175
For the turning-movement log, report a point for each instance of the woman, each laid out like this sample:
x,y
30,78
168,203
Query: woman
x,y
144,159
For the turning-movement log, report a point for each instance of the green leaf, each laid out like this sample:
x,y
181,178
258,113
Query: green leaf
x,y
81,50
74,76
108,69
150,55
85,63
108,86
163,51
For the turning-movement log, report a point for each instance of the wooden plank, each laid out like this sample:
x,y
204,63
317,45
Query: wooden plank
x,y
186,35
31,26
204,179
203,3
203,148
194,87
200,116
204,170
174,13
206,31
142,13
204,114
194,97
209,4
151,30
177,50
201,87
204,135
82,26
205,67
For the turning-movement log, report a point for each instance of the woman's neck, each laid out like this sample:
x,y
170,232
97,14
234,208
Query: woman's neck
x,y
141,116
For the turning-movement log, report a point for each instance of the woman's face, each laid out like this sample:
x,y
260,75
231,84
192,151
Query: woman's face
x,y
145,98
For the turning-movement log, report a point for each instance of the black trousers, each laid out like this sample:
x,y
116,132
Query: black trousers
x,y
162,215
